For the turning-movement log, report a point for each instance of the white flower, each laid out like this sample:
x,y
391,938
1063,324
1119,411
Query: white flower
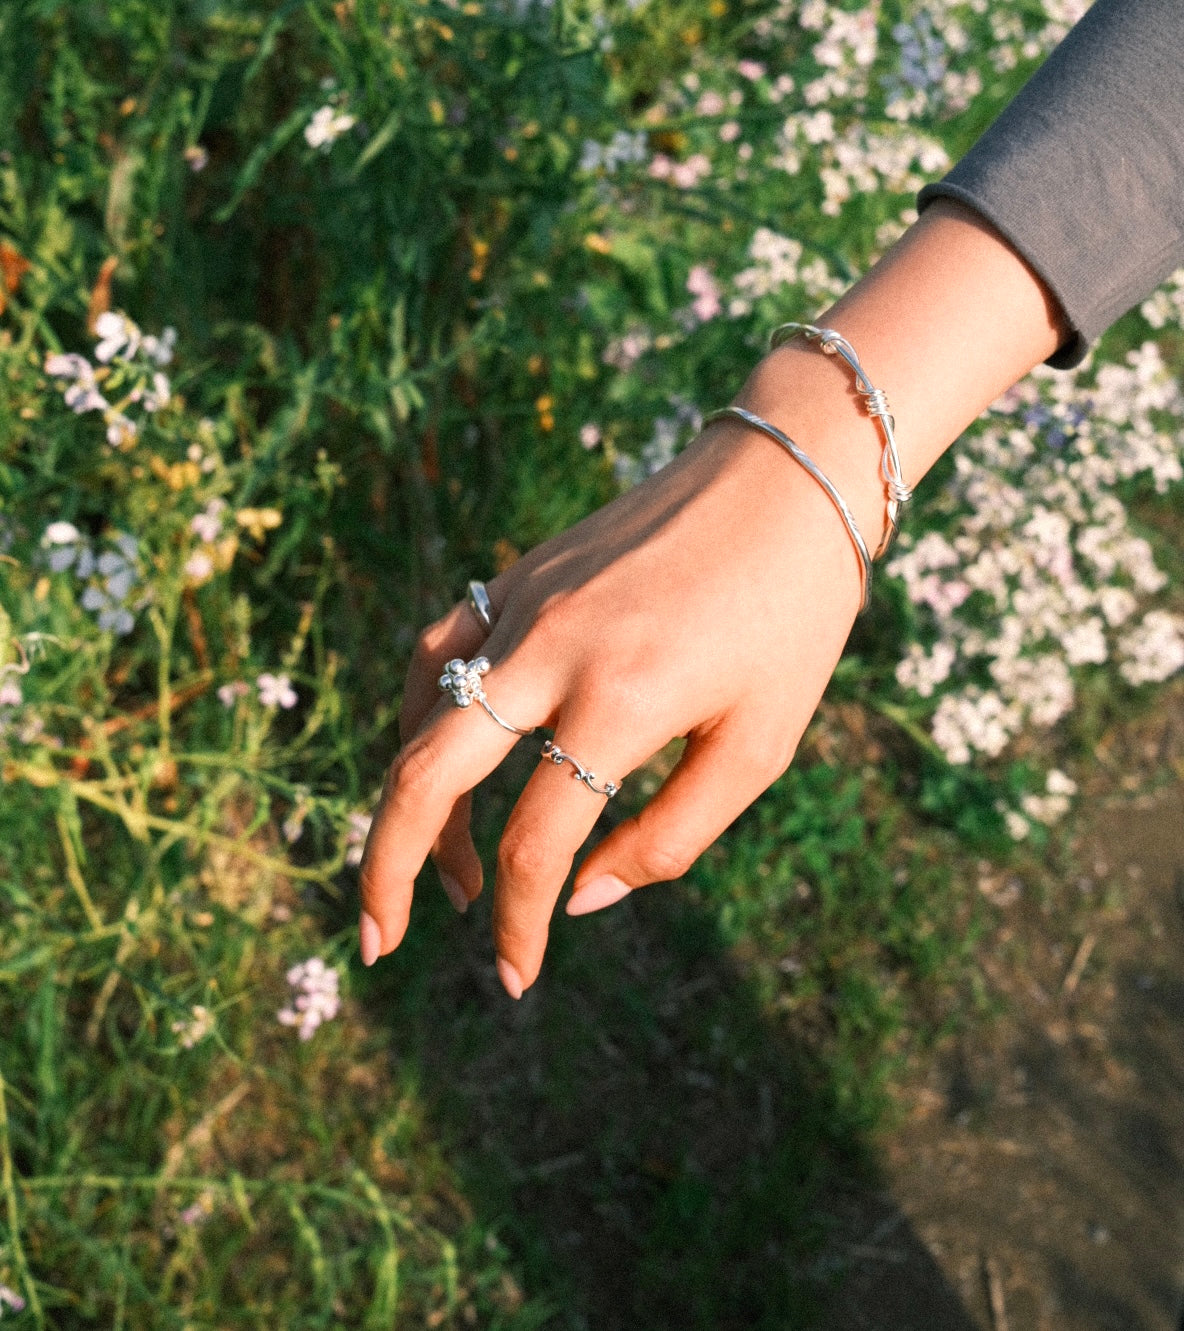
x,y
159,350
68,366
326,126
61,533
1154,648
276,691
121,430
160,394
199,567
355,837
118,336
10,693
195,1028
207,525
316,998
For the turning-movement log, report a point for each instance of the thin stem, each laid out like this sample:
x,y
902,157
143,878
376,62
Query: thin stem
x,y
8,1184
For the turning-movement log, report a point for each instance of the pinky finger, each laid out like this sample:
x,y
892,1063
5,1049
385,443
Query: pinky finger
x,y
455,857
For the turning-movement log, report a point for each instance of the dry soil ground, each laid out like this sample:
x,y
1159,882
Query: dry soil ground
x,y
1036,1182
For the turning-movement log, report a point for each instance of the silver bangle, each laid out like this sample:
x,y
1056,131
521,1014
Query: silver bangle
x,y
808,463
834,343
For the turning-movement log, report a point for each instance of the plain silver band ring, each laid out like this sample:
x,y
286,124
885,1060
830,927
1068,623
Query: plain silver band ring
x,y
552,751
461,680
480,604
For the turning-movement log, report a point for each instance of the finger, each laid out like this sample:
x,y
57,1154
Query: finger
x,y
549,823
455,856
458,633
720,773
450,754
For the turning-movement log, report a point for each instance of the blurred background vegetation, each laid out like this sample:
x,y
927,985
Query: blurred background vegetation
x,y
432,302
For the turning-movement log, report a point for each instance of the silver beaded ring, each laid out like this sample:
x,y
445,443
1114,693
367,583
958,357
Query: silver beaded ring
x,y
461,680
552,751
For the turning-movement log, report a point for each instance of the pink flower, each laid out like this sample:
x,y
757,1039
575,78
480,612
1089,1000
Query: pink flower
x,y
705,289
229,694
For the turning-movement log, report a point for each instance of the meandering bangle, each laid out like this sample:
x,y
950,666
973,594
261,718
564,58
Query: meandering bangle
x,y
805,461
834,343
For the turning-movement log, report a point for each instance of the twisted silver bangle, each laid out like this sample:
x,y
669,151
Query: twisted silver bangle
x,y
805,461
834,343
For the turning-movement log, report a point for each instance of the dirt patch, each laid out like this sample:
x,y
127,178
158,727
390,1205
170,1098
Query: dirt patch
x,y
1036,1182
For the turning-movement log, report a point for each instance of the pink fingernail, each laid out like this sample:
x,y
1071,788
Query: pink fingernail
x,y
453,890
369,938
596,894
509,977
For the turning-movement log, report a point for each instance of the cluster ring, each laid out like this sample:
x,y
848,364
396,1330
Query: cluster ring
x,y
461,680
557,755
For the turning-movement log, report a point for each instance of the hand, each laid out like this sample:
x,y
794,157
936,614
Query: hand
x,y
712,601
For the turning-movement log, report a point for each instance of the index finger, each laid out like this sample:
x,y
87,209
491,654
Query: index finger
x,y
453,751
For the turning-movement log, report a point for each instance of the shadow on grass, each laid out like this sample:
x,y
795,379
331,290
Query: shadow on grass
x,y
650,1147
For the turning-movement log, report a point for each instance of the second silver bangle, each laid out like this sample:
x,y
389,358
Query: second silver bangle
x,y
804,460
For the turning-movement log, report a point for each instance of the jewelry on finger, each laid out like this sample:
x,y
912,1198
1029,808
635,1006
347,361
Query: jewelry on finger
x,y
480,604
462,681
558,757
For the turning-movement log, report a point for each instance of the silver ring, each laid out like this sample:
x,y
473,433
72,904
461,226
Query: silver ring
x,y
558,757
462,680
480,604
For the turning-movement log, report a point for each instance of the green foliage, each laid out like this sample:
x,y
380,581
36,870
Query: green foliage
x,y
430,273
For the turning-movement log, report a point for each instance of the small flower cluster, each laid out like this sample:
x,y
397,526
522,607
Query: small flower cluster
x,y
1043,575
109,578
356,832
623,149
316,998
327,125
128,373
10,1299
274,691
195,1027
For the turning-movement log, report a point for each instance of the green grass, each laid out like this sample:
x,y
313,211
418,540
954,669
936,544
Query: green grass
x,y
386,351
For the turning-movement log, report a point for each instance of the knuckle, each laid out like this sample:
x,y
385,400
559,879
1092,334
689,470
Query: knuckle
x,y
663,862
522,858
414,774
551,619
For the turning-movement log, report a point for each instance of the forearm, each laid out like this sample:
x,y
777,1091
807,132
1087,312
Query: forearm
x,y
948,320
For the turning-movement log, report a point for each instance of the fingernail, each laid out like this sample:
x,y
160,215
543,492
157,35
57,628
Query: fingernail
x,y
453,890
509,977
596,894
369,938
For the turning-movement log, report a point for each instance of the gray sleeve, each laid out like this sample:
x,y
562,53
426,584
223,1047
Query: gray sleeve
x,y
1083,173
